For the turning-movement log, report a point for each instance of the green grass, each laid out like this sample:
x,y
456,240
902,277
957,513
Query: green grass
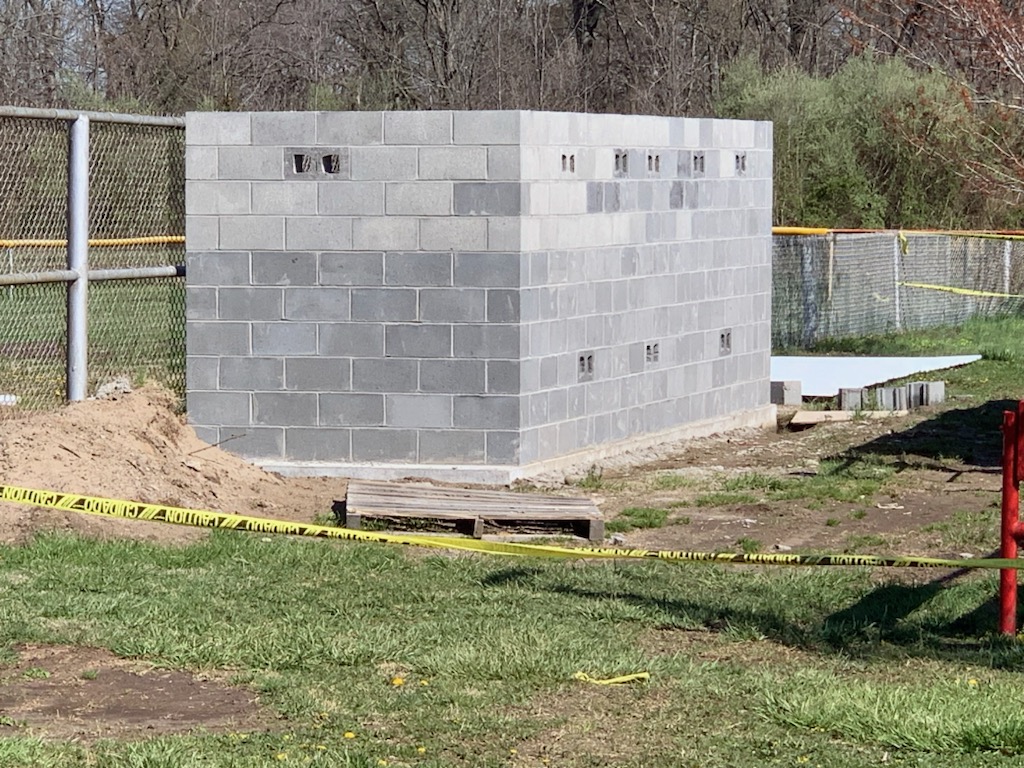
x,y
637,517
320,629
968,528
724,499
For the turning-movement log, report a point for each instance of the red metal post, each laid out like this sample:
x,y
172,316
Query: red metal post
x,y
1010,524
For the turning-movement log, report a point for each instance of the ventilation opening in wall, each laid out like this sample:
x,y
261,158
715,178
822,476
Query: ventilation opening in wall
x,y
302,163
653,163
585,366
741,163
621,162
569,163
725,342
331,164
698,163
652,353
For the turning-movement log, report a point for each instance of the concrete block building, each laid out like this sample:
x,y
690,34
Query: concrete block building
x,y
473,295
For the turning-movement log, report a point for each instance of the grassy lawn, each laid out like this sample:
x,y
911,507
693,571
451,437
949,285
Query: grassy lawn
x,y
748,667
368,655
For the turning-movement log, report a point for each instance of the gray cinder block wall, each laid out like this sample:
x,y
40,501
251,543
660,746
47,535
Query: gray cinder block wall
x,y
477,295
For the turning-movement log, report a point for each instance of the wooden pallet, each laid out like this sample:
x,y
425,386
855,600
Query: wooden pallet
x,y
469,510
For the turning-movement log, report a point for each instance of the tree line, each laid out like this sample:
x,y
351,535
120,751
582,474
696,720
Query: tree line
x,y
887,112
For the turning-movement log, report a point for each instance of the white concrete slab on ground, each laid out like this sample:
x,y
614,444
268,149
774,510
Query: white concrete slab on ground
x,y
823,376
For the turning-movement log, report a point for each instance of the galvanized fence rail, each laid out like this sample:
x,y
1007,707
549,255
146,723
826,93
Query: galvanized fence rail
x,y
92,217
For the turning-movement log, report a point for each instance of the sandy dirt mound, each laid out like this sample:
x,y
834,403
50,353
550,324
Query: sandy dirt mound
x,y
133,446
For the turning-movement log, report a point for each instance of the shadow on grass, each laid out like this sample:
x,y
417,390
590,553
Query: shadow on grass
x,y
882,624
968,435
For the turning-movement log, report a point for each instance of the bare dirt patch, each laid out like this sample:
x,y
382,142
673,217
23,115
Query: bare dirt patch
x,y
82,694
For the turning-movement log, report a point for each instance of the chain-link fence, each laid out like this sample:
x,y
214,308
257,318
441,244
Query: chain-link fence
x,y
852,284
136,296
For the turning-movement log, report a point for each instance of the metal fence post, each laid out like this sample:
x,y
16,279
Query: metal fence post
x,y
896,249
78,258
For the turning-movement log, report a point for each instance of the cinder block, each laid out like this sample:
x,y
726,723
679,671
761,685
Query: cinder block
x,y
418,340
388,445
284,338
319,233
251,373
250,304
290,198
389,233
318,444
351,339
417,268
311,164
384,163
504,163
254,442
201,373
349,128
283,128
504,233
246,163
487,198
418,411
284,409
916,394
387,375
494,269
202,233
384,304
201,303
934,392
451,234
217,338
502,306
216,197
423,127
351,410
486,412
218,407
455,446
850,398
356,268
452,305
209,435
353,198
456,163
418,198
486,341
481,127
201,163
316,374
253,233
283,268
217,128
319,304
453,376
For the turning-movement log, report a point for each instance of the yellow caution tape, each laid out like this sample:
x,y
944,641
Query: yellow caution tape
x,y
96,243
800,231
159,513
964,291
584,677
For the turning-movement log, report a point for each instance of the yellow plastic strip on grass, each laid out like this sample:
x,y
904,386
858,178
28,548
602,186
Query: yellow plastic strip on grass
x,y
584,677
964,291
98,242
159,513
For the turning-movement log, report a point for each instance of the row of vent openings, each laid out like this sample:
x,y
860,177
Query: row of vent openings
x,y
652,354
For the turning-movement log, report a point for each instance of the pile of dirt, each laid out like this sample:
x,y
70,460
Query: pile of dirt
x,y
134,446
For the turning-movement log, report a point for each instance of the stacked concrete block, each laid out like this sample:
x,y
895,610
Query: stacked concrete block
x,y
472,289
